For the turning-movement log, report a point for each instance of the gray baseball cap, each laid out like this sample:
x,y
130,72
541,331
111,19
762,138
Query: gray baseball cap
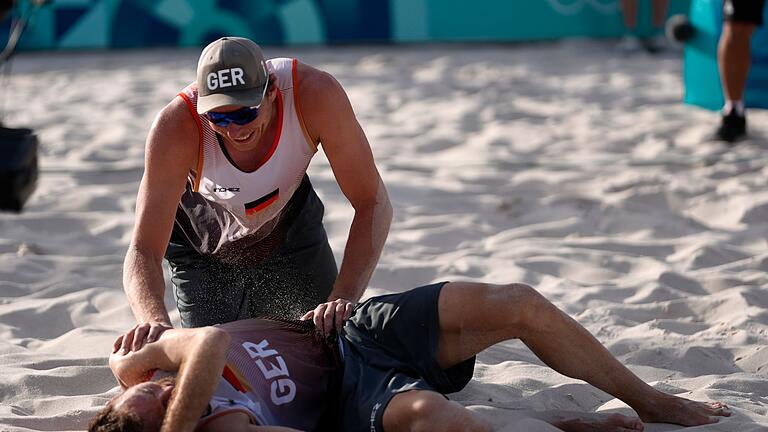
x,y
231,71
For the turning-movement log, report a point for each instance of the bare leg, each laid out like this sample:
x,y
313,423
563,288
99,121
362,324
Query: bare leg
x,y
421,410
660,8
475,316
516,421
529,425
733,58
512,420
590,422
629,13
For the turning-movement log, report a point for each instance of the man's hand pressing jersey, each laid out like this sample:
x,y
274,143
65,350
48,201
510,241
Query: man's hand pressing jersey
x,y
330,315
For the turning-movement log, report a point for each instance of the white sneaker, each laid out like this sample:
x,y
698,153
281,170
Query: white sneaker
x,y
656,44
629,45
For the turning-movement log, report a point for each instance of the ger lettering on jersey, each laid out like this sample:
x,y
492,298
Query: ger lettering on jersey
x,y
274,370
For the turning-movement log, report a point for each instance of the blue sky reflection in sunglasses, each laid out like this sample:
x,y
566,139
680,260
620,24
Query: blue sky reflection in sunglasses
x,y
240,117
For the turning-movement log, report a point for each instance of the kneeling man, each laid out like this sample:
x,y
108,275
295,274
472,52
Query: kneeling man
x,y
398,355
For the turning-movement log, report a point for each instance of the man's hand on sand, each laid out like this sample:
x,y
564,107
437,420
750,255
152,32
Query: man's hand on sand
x,y
330,315
137,337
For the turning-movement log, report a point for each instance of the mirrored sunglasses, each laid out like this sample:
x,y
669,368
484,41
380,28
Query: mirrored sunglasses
x,y
241,117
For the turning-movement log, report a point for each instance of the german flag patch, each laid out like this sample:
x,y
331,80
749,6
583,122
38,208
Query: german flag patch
x,y
253,207
235,379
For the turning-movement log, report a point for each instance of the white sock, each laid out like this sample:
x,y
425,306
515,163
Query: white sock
x,y
731,105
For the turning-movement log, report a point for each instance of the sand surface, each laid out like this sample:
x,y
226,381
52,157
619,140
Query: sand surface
x,y
564,166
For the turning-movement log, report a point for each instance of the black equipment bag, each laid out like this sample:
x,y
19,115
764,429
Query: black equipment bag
x,y
18,167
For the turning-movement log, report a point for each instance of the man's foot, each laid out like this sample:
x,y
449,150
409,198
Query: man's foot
x,y
672,409
654,45
629,45
733,127
593,422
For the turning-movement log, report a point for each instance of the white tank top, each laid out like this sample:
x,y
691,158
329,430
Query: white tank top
x,y
225,204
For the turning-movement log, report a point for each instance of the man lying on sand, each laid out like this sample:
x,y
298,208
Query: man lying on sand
x,y
396,358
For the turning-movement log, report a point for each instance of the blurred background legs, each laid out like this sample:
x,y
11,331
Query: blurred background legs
x,y
733,59
633,41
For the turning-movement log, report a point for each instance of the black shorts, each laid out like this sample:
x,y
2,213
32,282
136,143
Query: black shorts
x,y
748,11
291,280
390,346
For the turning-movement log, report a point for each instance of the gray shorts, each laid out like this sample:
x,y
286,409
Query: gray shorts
x,y
289,281
390,347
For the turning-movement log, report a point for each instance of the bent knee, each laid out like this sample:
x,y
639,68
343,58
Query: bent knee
x,y
517,295
424,411
531,308
410,411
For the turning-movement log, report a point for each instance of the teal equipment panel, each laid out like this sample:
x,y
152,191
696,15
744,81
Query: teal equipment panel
x,y
78,24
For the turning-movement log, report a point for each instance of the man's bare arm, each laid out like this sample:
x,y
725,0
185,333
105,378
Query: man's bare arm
x,y
171,151
367,235
144,285
331,120
199,372
351,160
197,354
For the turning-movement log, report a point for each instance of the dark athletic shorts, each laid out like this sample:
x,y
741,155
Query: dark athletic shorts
x,y
390,346
291,280
748,11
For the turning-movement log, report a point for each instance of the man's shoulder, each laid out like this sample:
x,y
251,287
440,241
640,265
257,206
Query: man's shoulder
x,y
314,82
177,118
175,132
